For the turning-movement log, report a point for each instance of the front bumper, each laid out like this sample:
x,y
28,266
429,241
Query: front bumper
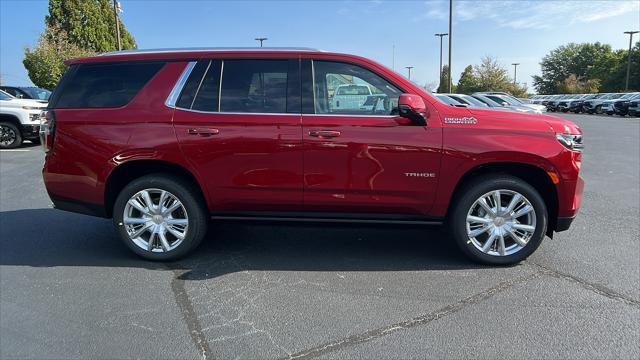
x,y
30,131
570,196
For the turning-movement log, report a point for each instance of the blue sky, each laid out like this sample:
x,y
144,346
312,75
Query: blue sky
x,y
511,31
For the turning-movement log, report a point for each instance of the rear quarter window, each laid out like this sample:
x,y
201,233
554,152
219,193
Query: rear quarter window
x,y
104,85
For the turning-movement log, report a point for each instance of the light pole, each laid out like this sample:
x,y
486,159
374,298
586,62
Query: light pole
x,y
515,72
116,10
450,36
393,58
626,84
409,68
261,39
441,35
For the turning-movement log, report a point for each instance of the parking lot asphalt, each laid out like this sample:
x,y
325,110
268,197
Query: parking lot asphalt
x,y
70,289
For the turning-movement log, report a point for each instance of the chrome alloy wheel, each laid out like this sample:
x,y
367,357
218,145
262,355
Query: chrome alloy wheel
x,y
7,136
155,220
501,222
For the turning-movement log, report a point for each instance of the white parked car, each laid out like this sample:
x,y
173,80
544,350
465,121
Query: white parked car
x,y
349,97
19,120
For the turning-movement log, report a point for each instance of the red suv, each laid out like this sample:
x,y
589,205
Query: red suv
x,y
165,141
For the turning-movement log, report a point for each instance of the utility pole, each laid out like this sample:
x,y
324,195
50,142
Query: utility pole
x,y
393,58
515,72
117,9
261,39
450,36
409,68
626,84
441,35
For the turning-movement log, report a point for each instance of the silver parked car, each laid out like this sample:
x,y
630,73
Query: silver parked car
x,y
501,98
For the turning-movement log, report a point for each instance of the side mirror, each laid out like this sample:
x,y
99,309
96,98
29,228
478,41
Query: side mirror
x,y
412,107
504,103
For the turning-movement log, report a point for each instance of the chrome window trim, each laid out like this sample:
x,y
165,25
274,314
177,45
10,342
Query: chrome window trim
x,y
285,114
177,88
313,85
235,113
220,85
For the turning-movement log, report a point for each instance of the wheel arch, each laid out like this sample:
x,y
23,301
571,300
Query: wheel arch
x,y
12,119
126,172
531,174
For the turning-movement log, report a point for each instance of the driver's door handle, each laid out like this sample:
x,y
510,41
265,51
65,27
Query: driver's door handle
x,y
203,131
327,134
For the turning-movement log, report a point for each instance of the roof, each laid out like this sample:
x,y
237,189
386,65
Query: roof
x,y
192,53
209,49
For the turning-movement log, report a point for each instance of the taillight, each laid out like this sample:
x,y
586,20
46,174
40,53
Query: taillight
x,y
47,130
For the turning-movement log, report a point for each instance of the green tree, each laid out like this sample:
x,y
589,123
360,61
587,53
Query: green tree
x,y
468,82
491,75
90,24
74,28
575,85
616,80
45,63
443,87
587,61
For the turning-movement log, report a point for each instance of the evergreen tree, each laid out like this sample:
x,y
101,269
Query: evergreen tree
x,y
74,28
90,24
468,82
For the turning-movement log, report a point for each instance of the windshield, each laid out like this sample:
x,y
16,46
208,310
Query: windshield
x,y
471,100
447,100
510,100
628,96
37,93
353,90
487,101
5,96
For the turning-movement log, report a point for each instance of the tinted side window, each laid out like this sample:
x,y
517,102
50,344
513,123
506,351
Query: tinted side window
x,y
192,85
105,85
254,86
207,93
341,88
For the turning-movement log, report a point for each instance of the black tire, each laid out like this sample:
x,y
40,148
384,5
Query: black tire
x,y
9,133
198,215
473,191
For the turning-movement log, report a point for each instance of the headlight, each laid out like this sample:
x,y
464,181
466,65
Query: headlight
x,y
571,141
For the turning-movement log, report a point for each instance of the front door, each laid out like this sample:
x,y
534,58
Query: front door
x,y
238,125
358,157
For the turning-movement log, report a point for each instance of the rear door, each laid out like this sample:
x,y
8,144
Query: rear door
x,y
358,156
238,124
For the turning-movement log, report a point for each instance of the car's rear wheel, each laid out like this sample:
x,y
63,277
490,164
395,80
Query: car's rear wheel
x,y
499,220
10,136
160,217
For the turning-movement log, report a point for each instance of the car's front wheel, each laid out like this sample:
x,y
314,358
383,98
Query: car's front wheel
x,y
499,220
10,136
160,217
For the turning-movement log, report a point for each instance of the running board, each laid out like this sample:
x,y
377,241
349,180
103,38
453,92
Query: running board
x,y
347,218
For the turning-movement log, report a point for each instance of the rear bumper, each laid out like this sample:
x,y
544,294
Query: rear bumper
x,y
79,207
564,223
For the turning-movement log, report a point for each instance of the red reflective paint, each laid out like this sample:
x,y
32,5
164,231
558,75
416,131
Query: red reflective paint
x,y
302,162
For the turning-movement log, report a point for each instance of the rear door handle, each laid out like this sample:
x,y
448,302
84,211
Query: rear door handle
x,y
327,134
203,131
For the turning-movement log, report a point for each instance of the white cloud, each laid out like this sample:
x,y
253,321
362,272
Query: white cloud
x,y
531,14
